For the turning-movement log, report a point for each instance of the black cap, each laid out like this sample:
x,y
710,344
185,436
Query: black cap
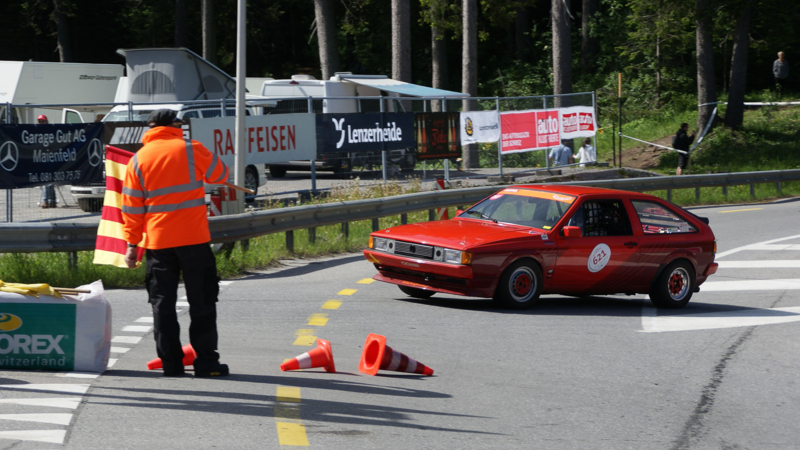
x,y
163,118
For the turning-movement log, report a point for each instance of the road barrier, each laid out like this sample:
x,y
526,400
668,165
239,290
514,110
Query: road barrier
x,y
73,237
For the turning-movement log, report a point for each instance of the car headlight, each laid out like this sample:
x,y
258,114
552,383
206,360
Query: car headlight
x,y
382,244
457,256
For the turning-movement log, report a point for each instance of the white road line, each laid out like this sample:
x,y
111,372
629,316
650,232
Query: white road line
x,y
50,436
111,362
751,285
78,375
181,304
54,418
145,320
653,323
119,349
225,282
126,339
747,247
137,328
53,402
62,388
772,264
774,247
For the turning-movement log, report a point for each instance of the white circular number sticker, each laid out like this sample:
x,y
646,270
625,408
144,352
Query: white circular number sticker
x,y
599,258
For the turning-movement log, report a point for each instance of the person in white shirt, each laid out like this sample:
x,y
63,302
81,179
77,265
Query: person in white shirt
x,y
587,153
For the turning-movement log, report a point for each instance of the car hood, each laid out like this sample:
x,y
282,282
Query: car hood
x,y
459,234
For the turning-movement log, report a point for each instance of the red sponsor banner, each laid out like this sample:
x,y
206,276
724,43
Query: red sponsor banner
x,y
577,121
523,131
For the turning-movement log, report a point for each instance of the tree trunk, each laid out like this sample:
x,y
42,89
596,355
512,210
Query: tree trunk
x,y
439,63
326,38
209,31
180,23
734,115
562,54
401,40
469,71
706,89
64,49
589,46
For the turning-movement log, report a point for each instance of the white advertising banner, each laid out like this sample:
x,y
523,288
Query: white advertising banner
x,y
577,121
480,126
269,139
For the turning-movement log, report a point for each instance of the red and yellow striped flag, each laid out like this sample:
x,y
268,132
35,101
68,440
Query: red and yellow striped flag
x,y
111,246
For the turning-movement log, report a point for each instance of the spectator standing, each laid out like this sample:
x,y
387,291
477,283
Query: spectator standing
x,y
163,200
780,69
587,153
561,155
681,141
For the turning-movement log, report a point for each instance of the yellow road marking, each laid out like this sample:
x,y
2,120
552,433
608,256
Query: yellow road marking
x,y
332,304
318,319
739,210
305,332
308,341
292,434
347,292
365,281
287,411
288,394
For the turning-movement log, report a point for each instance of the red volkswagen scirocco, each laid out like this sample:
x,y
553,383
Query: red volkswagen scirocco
x,y
524,241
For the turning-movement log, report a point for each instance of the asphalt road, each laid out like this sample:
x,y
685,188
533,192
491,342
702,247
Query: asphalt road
x,y
572,373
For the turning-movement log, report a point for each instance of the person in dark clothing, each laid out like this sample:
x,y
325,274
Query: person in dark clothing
x,y
780,69
682,141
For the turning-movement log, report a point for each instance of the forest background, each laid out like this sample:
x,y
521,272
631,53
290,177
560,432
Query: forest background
x,y
673,54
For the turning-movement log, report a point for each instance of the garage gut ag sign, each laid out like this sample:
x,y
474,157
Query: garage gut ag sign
x,y
37,336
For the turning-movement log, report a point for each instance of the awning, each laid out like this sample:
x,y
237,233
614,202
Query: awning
x,y
400,87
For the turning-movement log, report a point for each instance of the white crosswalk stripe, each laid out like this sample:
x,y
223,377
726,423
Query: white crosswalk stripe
x,y
42,416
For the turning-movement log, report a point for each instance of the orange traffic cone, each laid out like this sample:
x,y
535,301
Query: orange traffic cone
x,y
188,358
322,356
379,356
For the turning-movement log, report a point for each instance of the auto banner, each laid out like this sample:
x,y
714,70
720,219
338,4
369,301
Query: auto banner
x,y
37,155
356,132
523,131
437,135
577,121
480,126
268,139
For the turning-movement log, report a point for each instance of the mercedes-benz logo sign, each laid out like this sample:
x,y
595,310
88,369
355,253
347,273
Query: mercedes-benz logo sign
x,y
9,156
95,152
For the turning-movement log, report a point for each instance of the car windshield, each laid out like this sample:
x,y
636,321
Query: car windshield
x,y
526,207
122,116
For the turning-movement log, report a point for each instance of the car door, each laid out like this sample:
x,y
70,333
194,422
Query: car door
x,y
603,258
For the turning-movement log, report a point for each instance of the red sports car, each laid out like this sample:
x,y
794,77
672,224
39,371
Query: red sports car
x,y
525,241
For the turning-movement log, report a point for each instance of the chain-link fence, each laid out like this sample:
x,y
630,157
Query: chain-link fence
x,y
331,169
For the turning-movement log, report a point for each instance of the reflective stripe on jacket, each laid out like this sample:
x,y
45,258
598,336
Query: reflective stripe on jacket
x,y
163,195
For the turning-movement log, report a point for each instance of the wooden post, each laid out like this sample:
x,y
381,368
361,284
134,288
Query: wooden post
x,y
404,218
725,191
346,229
290,241
312,235
752,190
376,224
431,215
697,193
72,260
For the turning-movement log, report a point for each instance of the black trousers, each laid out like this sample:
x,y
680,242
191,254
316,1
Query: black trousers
x,y
199,269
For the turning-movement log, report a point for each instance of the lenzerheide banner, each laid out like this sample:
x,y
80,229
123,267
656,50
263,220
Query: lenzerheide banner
x,y
356,132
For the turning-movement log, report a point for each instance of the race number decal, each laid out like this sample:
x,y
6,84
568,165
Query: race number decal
x,y
599,258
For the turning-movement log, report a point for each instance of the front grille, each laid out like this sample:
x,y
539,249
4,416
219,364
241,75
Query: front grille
x,y
416,250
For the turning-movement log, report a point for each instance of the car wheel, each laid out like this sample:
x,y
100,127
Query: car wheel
x,y
416,292
674,286
251,179
520,285
277,172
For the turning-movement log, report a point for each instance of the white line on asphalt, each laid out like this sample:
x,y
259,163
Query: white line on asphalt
x,y
145,319
63,388
119,349
747,247
50,436
111,362
54,402
225,282
751,285
78,375
137,328
55,418
653,323
126,339
181,304
775,263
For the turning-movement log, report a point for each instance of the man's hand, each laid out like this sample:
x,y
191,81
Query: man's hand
x,y
130,258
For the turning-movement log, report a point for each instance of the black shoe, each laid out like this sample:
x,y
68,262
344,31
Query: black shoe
x,y
175,372
217,370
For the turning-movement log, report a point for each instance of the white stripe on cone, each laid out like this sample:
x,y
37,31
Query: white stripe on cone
x,y
304,361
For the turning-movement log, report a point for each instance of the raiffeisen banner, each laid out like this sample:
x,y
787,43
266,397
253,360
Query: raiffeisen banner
x,y
356,132
523,131
268,139
577,121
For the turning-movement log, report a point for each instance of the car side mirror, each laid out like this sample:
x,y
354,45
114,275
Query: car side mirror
x,y
572,232
458,213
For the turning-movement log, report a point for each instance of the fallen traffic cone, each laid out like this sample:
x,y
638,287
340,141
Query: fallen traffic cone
x,y
379,356
322,356
188,358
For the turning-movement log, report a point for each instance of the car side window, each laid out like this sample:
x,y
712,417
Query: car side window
x,y
191,115
602,218
656,219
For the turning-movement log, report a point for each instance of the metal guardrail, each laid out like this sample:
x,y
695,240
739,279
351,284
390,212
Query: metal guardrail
x,y
71,237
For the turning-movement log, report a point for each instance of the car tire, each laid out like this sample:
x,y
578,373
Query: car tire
x,y
520,285
674,286
277,172
251,180
91,205
416,292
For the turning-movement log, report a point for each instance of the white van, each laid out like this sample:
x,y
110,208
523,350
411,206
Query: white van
x,y
90,197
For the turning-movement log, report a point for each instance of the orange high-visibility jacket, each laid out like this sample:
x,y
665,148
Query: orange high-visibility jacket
x,y
163,195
